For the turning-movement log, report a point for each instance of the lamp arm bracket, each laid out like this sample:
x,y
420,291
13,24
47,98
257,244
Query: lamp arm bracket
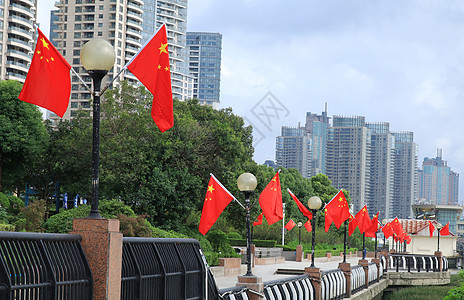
x,y
108,85
254,203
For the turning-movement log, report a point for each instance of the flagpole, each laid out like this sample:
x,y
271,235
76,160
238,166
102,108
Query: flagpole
x,y
283,223
364,247
344,241
80,78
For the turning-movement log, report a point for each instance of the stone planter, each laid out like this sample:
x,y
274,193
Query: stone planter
x,y
230,262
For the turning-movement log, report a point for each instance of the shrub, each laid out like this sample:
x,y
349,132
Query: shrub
x,y
233,235
257,243
7,227
135,226
34,214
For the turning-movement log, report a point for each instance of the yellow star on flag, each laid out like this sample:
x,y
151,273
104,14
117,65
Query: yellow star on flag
x,y
210,188
45,44
167,68
163,48
159,66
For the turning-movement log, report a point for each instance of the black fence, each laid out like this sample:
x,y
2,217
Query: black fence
x,y
333,284
298,287
163,269
416,263
43,266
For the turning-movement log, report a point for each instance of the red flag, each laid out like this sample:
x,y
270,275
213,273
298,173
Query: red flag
x,y
431,228
445,230
216,200
328,220
408,239
338,209
289,226
151,66
48,82
397,228
259,220
364,221
374,226
300,205
270,201
353,223
308,226
387,230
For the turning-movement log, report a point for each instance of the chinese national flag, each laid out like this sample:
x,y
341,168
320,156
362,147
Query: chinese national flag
x,y
352,224
408,239
374,226
431,229
445,230
259,220
151,66
338,209
270,201
364,221
48,82
289,226
308,226
387,230
300,205
216,200
328,220
397,228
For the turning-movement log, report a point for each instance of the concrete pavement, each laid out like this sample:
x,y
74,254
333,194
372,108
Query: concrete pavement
x,y
267,272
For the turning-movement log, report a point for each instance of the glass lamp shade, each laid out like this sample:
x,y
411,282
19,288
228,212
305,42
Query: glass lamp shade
x,y
247,182
314,202
439,226
97,54
299,224
384,221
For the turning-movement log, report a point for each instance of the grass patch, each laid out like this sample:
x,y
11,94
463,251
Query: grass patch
x,y
436,292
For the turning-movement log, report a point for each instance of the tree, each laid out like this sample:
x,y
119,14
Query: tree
x,y
22,135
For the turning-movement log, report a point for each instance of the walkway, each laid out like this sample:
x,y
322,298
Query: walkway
x,y
267,272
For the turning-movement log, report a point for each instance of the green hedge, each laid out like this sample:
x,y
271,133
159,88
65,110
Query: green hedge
x,y
257,243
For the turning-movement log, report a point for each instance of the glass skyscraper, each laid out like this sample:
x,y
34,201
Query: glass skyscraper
x,y
204,52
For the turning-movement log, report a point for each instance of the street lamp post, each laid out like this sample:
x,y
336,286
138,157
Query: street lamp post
x,y
384,222
314,203
247,183
439,227
299,232
97,57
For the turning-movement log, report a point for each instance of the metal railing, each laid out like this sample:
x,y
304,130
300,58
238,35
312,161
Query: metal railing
x,y
235,293
416,263
43,266
162,269
358,278
333,284
372,273
297,287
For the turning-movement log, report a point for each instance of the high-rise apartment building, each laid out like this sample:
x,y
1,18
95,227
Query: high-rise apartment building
x,y
405,159
126,24
438,183
348,157
316,127
293,150
17,38
204,52
380,190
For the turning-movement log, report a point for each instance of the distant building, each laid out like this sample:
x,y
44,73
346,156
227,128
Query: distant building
x,y
440,213
17,38
293,150
404,192
317,129
348,157
438,183
204,58
271,163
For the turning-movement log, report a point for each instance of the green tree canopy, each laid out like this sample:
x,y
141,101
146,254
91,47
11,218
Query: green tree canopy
x,y
23,136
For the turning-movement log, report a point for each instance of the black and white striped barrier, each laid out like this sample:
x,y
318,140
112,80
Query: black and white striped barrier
x,y
333,285
416,263
372,272
358,279
299,288
235,293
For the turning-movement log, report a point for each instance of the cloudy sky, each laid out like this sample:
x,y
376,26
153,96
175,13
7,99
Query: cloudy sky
x,y
392,61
